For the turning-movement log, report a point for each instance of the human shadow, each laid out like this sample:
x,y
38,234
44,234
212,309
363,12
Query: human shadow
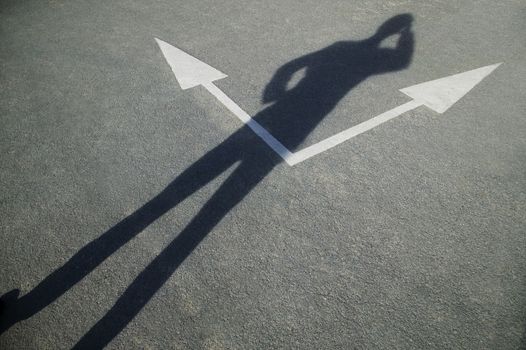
x,y
330,74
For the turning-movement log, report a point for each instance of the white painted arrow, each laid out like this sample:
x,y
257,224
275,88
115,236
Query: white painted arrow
x,y
441,94
188,70
438,95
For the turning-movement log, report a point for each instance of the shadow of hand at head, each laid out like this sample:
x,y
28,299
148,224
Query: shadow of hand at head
x,y
329,74
400,24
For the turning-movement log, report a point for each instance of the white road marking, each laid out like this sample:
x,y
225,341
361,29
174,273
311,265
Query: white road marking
x,y
251,123
188,70
438,95
345,135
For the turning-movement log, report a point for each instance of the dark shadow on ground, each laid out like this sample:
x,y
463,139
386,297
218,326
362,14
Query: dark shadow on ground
x,y
329,75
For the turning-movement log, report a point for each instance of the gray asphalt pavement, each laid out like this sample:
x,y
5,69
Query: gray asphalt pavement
x,y
136,215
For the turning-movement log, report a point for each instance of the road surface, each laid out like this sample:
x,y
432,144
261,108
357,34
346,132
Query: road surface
x,y
137,215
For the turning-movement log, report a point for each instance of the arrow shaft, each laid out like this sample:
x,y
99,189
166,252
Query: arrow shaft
x,y
311,151
251,123
345,135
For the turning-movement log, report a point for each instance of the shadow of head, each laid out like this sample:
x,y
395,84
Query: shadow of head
x,y
395,25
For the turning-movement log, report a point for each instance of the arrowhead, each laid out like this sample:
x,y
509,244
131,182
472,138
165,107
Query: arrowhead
x,y
441,94
188,70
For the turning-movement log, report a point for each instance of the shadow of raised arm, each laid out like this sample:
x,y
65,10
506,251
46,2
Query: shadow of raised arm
x,y
277,87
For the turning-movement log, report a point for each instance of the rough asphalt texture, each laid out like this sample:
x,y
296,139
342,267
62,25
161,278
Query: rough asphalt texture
x,y
411,236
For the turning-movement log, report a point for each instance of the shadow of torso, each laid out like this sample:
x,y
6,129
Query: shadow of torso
x,y
329,74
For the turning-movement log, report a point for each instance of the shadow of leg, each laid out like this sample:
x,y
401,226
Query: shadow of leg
x,y
94,253
151,279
